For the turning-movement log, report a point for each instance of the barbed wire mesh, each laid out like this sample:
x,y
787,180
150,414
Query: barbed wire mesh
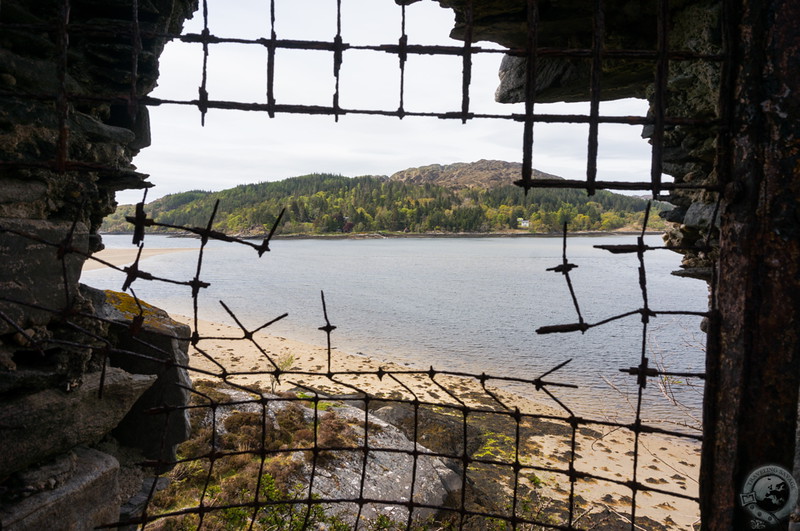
x,y
295,443
469,398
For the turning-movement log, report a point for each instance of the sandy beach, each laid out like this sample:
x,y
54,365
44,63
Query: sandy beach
x,y
123,257
666,463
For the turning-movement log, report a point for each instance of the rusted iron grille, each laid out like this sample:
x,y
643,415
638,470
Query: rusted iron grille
x,y
574,515
659,57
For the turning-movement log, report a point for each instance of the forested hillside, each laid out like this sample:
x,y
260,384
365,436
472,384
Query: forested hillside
x,y
321,204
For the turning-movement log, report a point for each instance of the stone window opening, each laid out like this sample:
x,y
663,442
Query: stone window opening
x,y
717,124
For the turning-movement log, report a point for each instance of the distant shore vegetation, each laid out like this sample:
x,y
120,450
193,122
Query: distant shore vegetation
x,y
319,204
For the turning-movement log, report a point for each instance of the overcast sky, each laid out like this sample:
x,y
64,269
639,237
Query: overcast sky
x,y
238,147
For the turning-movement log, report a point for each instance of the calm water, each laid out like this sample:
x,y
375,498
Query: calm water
x,y
467,304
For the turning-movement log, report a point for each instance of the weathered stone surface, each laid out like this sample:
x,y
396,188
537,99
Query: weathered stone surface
x,y
38,426
439,432
700,215
23,198
36,276
85,498
567,80
565,24
160,348
50,179
136,504
100,134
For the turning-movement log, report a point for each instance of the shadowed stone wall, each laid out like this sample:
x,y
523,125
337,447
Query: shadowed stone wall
x,y
69,129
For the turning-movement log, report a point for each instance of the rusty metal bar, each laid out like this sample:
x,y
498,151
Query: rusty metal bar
x,y
594,88
62,98
271,46
466,76
338,57
402,56
202,104
659,106
530,95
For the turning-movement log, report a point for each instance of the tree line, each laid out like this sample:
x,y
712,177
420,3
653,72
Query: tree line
x,y
325,203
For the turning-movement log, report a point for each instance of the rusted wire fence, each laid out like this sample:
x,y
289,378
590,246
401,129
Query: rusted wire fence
x,y
320,444
312,461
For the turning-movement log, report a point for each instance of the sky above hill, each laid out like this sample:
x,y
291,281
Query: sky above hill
x,y
238,147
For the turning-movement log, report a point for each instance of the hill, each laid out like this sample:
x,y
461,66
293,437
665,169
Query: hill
x,y
480,174
456,198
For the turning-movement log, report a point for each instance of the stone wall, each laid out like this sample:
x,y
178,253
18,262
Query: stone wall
x,y
69,129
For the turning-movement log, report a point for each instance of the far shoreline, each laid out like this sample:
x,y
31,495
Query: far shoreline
x,y
400,235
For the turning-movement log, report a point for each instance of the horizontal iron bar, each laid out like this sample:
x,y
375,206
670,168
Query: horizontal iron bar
x,y
650,372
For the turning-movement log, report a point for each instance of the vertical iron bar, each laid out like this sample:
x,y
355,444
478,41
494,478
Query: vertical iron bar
x,y
364,463
337,58
594,111
273,37
415,438
643,363
566,269
571,471
402,57
530,96
517,467
202,104
314,459
466,76
660,96
328,328
196,281
136,51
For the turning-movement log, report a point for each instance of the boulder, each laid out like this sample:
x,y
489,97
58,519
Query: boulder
x,y
387,475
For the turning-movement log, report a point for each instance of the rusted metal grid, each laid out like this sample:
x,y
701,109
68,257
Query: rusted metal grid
x,y
659,119
491,404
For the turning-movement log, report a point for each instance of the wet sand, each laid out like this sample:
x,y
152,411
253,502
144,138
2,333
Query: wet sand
x,y
124,257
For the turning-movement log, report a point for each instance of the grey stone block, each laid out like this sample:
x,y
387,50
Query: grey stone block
x,y
86,499
38,426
